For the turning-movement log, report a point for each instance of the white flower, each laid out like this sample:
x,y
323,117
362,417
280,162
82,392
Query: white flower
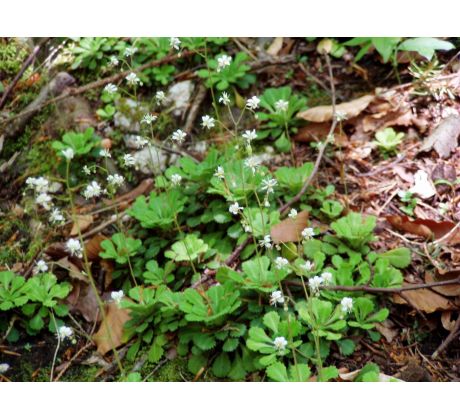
x,y
4,367
347,304
113,61
268,184
74,247
105,153
266,203
40,184
292,214
276,297
40,267
44,200
314,283
117,296
111,89
176,179
281,262
219,172
115,180
235,208
86,170
246,226
174,43
129,51
65,332
252,162
56,216
249,135
129,160
224,99
223,61
207,121
266,242
68,153
280,343
253,103
327,277
179,136
308,266
281,105
160,97
148,119
132,79
308,233
92,190
140,142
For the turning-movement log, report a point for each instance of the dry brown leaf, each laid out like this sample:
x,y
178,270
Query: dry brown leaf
x,y
424,300
444,138
93,247
83,221
449,290
290,230
275,46
324,113
83,301
446,320
386,328
426,228
318,132
116,318
73,270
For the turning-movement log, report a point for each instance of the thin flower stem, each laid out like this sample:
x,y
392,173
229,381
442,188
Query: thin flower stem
x,y
57,347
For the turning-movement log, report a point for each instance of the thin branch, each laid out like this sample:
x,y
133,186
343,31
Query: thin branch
x,y
452,335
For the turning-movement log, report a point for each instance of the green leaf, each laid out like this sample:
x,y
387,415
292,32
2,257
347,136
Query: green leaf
x,y
426,47
355,229
277,372
189,249
346,346
272,320
230,344
328,373
156,350
120,248
221,366
398,257
385,46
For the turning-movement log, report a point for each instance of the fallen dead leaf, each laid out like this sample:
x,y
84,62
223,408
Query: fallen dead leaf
x,y
386,328
83,221
324,113
93,247
423,187
350,376
424,300
116,318
290,230
83,301
444,138
426,228
449,290
318,132
73,270
275,46
447,322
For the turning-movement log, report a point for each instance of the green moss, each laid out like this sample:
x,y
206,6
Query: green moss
x,y
12,55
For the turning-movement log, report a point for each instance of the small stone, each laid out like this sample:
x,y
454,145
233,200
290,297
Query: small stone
x,y
128,116
179,96
151,160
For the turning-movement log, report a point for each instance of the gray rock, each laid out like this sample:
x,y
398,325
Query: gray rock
x,y
179,96
129,114
152,160
131,140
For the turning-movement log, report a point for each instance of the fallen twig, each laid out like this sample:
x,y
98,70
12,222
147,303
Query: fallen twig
x,y
452,335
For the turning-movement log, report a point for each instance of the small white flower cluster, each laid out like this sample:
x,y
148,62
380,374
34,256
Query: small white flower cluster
x,y
224,99
252,162
93,189
133,80
117,296
268,184
307,266
65,332
140,142
219,173
176,179
68,153
148,119
179,136
235,208
129,160
308,233
113,61
280,343
253,103
292,214
74,247
41,186
130,51
222,62
281,262
276,297
249,136
347,304
160,97
115,180
317,281
111,89
207,122
174,43
281,105
40,267
4,367
266,242
105,153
